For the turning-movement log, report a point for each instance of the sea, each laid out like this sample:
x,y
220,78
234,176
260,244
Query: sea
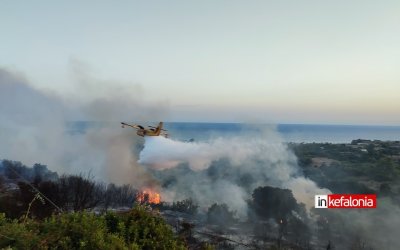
x,y
297,133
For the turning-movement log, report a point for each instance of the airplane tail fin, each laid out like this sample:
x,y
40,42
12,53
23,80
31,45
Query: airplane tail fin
x,y
159,128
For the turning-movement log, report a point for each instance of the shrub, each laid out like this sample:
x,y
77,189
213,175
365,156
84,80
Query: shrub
x,y
137,229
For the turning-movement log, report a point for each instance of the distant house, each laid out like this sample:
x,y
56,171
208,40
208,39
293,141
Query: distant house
x,y
360,142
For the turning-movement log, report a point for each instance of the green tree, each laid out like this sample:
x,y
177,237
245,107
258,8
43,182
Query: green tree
x,y
220,214
271,202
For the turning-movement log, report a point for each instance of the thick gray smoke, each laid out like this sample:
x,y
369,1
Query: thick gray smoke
x,y
379,227
365,228
263,159
33,128
228,169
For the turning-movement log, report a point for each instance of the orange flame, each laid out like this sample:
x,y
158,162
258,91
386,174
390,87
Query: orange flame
x,y
149,197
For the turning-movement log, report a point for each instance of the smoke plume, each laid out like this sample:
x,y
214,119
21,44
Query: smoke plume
x,y
227,169
35,128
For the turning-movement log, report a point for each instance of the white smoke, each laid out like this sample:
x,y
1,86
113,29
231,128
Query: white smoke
x,y
162,153
264,159
33,128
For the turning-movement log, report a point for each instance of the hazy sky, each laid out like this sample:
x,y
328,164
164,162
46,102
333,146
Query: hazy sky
x,y
270,61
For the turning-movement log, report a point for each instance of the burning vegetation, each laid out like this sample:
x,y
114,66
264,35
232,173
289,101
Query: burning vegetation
x,y
148,196
273,218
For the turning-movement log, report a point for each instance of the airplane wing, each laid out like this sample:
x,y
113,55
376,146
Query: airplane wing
x,y
156,127
133,126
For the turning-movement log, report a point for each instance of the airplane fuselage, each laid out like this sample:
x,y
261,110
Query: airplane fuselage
x,y
151,131
146,132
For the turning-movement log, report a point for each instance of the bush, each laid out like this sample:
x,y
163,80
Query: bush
x,y
138,229
185,206
143,229
220,214
18,235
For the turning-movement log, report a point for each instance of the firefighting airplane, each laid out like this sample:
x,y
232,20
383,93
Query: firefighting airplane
x,y
150,131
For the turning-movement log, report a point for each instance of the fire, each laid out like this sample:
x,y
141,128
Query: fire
x,y
148,196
